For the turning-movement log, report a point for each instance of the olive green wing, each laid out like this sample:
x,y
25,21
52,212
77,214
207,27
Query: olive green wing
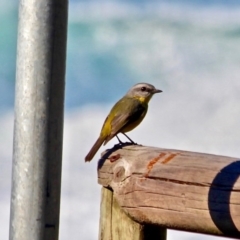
x,y
126,111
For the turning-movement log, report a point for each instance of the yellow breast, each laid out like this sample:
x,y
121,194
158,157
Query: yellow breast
x,y
143,100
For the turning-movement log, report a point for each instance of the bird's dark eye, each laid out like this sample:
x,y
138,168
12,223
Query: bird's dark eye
x,y
143,89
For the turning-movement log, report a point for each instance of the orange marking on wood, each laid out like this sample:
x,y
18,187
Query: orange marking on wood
x,y
170,157
152,162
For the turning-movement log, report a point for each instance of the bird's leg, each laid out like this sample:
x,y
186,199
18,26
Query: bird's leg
x,y
119,140
129,139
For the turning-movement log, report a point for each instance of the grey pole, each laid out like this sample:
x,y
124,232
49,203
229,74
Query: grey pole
x,y
38,127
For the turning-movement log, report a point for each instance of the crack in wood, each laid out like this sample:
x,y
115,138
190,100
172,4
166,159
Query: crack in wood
x,y
181,182
150,207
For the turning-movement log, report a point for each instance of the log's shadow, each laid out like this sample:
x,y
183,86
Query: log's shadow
x,y
219,199
110,151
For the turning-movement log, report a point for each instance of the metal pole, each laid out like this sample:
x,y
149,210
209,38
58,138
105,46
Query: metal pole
x,y
38,128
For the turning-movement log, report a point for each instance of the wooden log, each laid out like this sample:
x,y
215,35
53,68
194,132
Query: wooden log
x,y
116,225
175,189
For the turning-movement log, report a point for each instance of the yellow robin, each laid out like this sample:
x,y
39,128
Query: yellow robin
x,y
125,115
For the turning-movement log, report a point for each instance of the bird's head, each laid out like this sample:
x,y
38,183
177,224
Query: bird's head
x,y
143,92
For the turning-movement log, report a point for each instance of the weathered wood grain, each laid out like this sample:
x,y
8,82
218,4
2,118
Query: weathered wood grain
x,y
116,225
175,189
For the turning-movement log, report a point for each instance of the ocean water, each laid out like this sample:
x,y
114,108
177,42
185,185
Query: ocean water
x,y
189,49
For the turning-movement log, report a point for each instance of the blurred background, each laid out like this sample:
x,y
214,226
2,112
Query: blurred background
x,y
189,49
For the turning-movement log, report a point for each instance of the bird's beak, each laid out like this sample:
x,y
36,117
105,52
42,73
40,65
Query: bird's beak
x,y
157,91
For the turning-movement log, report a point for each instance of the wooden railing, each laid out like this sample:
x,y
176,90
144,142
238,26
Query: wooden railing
x,y
148,190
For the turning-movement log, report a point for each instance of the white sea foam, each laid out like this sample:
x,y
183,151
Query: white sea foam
x,y
213,13
6,133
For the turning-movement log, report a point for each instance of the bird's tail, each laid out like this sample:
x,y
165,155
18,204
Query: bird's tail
x,y
94,149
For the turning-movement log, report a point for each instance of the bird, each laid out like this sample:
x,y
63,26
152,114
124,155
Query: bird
x,y
125,115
